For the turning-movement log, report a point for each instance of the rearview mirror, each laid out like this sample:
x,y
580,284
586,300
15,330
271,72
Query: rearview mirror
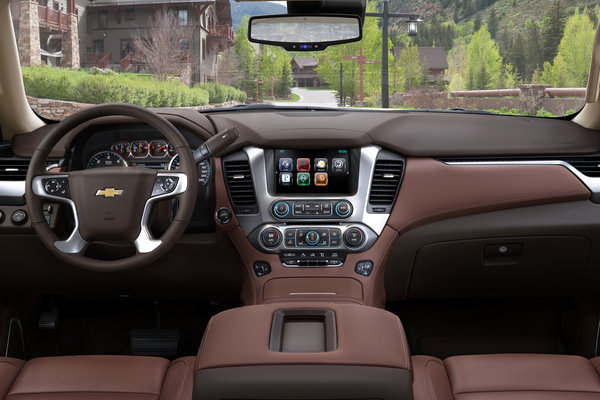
x,y
305,32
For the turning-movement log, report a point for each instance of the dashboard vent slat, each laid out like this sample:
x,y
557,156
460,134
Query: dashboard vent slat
x,y
12,169
240,186
386,180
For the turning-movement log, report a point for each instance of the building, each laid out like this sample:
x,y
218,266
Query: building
x,y
101,32
434,58
304,72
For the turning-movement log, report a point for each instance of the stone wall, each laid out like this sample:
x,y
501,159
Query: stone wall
x,y
58,109
29,34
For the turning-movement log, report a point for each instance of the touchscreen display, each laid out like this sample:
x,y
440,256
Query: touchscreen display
x,y
312,171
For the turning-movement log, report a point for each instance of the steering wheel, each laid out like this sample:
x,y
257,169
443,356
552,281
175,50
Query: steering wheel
x,y
112,203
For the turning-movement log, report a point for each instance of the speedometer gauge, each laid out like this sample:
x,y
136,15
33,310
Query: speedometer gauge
x,y
158,148
174,163
139,149
106,159
122,148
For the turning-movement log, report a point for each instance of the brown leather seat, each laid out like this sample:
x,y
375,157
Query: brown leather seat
x,y
96,377
506,376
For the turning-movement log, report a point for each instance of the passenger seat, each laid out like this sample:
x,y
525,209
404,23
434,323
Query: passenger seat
x,y
96,377
506,376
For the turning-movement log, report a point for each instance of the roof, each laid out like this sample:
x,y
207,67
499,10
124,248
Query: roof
x,y
304,62
435,56
117,3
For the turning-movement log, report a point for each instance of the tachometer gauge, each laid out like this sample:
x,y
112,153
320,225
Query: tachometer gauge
x,y
158,148
139,149
122,148
174,163
106,159
171,149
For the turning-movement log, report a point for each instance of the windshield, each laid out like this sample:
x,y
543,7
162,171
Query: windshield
x,y
515,57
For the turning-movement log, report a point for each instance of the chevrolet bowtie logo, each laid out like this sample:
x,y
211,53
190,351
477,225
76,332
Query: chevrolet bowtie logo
x,y
109,192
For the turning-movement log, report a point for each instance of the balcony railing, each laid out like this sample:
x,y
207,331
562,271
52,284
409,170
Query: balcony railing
x,y
49,19
221,31
101,59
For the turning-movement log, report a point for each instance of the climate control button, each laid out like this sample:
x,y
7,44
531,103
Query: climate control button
x,y
354,237
271,238
312,238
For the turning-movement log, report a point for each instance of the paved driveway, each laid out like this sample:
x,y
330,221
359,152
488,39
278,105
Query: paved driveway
x,y
321,98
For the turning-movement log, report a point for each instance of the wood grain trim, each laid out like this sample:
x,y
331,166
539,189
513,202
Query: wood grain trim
x,y
432,191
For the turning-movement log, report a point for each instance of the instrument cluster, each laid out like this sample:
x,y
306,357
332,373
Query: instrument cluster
x,y
157,154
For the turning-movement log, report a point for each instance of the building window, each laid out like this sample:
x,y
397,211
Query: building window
x,y
125,47
183,17
130,14
102,19
88,23
55,6
204,49
98,46
183,44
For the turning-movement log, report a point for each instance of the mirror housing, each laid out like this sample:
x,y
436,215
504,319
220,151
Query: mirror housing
x,y
306,32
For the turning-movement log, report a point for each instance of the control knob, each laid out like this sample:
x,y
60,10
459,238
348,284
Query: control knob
x,y
354,237
281,209
343,209
270,237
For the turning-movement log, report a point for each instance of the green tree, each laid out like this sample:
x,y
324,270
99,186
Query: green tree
x,y
572,63
517,56
409,67
248,60
535,55
287,80
483,55
477,22
554,22
483,79
330,59
493,23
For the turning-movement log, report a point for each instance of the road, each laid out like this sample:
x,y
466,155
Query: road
x,y
320,98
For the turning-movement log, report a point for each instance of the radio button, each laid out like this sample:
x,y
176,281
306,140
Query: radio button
x,y
312,238
281,209
343,209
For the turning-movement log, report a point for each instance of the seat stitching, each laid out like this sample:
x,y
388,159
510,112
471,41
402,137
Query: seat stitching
x,y
184,375
77,391
10,363
406,356
431,391
530,390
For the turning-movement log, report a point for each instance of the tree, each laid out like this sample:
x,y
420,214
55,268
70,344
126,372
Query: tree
x,y
228,68
483,80
482,50
248,59
535,56
572,63
477,22
493,24
516,55
409,67
287,80
163,45
554,22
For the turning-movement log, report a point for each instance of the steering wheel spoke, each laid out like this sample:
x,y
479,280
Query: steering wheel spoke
x,y
56,188
166,185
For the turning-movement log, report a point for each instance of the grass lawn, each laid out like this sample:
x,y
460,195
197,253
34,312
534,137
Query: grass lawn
x,y
293,98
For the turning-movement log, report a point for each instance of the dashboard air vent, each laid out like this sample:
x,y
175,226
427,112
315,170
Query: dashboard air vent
x,y
240,186
587,166
386,182
13,169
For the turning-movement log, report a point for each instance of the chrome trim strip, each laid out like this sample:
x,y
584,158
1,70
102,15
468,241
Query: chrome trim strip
x,y
74,243
12,188
360,215
145,243
592,183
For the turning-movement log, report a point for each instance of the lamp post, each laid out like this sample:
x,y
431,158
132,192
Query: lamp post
x,y
413,20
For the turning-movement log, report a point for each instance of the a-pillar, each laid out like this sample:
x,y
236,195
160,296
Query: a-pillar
x,y
70,44
29,34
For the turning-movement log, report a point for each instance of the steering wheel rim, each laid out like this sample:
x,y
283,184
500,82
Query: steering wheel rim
x,y
148,248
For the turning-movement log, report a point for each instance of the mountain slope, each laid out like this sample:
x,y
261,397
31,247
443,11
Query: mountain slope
x,y
253,8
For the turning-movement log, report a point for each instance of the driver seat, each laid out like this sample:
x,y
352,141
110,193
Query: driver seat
x,y
96,378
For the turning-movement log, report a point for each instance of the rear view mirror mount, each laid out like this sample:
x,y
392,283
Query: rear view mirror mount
x,y
305,32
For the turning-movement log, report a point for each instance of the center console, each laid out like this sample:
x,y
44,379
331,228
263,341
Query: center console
x,y
299,351
309,223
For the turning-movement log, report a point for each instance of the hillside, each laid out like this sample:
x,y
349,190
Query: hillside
x,y
511,13
252,8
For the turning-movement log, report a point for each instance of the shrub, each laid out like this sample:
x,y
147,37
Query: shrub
x,y
221,93
70,85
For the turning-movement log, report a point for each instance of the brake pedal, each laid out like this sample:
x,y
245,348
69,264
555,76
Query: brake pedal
x,y
48,320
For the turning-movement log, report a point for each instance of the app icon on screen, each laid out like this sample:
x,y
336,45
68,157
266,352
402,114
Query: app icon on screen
x,y
285,179
321,179
303,164
320,164
303,179
286,164
338,165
